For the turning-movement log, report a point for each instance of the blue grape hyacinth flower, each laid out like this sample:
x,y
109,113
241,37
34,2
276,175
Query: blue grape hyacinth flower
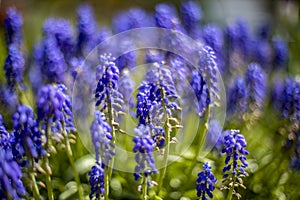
x,y
191,14
5,137
27,139
166,17
281,52
63,32
201,91
238,96
14,67
54,109
234,148
13,24
144,152
133,18
290,104
205,183
11,185
234,145
101,138
97,181
256,80
86,28
107,93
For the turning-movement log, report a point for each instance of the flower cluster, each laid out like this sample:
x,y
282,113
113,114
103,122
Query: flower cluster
x,y
144,152
11,185
101,137
248,92
27,139
5,137
201,91
205,183
290,101
55,110
14,63
235,162
13,24
62,31
96,181
50,59
87,29
157,89
107,93
234,147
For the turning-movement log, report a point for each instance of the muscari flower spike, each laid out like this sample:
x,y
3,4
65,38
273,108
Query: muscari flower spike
x,y
158,82
235,162
281,52
290,105
50,60
10,177
201,91
191,14
166,17
86,28
208,69
55,110
27,139
97,181
239,38
5,137
205,183
238,96
144,152
13,25
14,67
107,87
256,81
63,32
101,137
133,18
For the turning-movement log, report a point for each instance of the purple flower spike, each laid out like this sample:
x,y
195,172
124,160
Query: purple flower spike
x,y
97,181
10,177
205,183
144,152
13,24
234,148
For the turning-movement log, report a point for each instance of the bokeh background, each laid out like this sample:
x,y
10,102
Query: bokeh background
x,y
271,177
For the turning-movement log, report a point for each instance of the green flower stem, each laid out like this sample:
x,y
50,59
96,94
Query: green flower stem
x,y
113,134
35,189
71,160
230,193
167,144
106,183
46,165
109,169
201,132
144,189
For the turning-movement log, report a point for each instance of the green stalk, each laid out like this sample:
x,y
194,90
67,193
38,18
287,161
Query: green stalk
x,y
106,183
46,165
201,132
230,193
71,160
167,145
108,170
144,189
113,134
35,189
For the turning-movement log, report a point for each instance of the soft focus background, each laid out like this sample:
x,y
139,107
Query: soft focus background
x,y
270,174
